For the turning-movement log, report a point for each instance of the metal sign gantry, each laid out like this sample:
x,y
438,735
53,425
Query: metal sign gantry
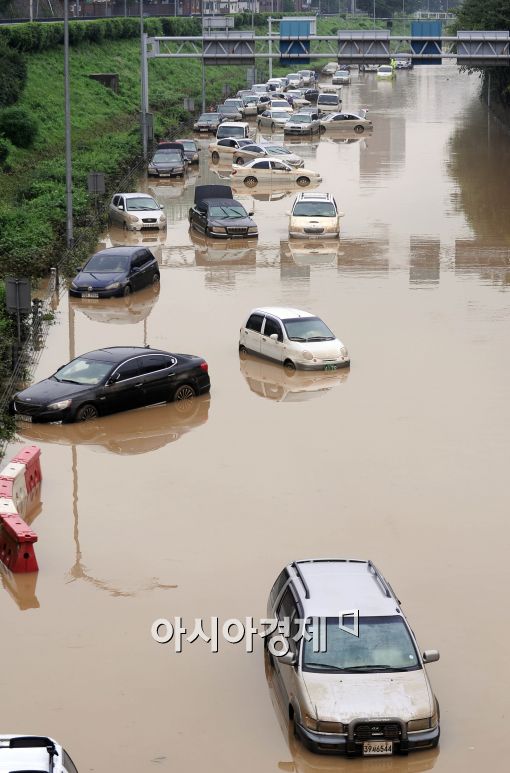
x,y
231,47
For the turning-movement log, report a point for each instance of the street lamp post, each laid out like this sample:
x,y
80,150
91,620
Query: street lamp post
x,y
143,96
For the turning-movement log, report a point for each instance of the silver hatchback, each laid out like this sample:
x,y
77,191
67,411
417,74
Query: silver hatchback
x,y
346,662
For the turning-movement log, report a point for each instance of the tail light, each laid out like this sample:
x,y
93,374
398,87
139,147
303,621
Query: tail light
x,y
204,366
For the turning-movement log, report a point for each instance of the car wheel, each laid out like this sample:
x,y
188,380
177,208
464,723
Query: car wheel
x,y
155,279
273,126
184,392
322,129
243,353
359,129
215,157
303,181
86,412
250,182
289,366
127,291
239,161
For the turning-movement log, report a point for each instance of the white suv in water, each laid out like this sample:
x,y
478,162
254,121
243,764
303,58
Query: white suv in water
x,y
294,338
27,753
314,215
366,692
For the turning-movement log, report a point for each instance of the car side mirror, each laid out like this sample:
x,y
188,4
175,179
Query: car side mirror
x,y
113,379
288,214
341,214
251,212
121,206
274,336
430,656
80,268
289,659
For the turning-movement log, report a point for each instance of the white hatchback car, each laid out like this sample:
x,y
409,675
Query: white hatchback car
x,y
34,753
294,338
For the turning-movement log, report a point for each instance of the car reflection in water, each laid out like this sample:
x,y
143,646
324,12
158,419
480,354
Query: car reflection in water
x,y
117,237
345,137
290,386
119,311
309,252
130,433
304,761
239,252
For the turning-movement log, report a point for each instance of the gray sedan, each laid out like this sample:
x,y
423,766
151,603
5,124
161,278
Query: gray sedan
x,y
273,119
301,123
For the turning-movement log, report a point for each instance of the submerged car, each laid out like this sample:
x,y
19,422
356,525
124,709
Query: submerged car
x,y
249,152
301,123
136,211
273,170
294,338
273,119
341,77
314,215
34,753
355,682
118,378
217,214
385,72
114,272
330,68
357,122
168,162
191,150
227,148
208,122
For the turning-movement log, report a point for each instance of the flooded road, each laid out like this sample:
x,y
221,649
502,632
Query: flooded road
x,y
403,460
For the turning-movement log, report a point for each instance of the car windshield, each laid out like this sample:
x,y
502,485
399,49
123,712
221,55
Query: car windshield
x,y
381,644
301,118
208,117
85,371
168,156
281,103
227,109
188,144
107,262
328,99
143,202
343,73
314,209
233,210
385,68
230,131
308,329
280,114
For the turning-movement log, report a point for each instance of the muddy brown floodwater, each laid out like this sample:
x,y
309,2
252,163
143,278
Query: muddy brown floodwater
x,y
403,460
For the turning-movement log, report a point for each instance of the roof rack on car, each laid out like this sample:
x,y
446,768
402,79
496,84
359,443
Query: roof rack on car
x,y
36,742
380,579
303,581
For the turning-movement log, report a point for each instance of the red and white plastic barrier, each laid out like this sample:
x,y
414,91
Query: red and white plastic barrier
x,y
19,480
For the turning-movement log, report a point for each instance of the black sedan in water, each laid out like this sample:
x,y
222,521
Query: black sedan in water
x,y
118,378
216,213
115,271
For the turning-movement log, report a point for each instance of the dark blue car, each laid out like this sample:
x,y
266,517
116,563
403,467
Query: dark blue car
x,y
114,272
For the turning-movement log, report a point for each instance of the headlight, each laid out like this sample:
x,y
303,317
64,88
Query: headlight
x,y
112,286
308,355
216,229
343,351
330,727
309,722
253,229
418,724
132,219
162,218
60,405
74,285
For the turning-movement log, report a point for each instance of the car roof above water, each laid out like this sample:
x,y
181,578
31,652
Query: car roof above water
x,y
282,312
119,353
328,587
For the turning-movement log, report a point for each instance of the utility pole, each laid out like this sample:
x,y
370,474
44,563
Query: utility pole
x,y
143,96
68,150
270,63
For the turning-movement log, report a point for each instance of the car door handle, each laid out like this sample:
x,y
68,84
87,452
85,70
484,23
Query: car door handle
x,y
171,375
263,338
140,384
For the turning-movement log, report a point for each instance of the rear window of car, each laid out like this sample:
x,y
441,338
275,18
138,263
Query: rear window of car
x,y
328,99
230,131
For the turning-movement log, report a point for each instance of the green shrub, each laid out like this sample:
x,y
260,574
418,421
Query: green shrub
x,y
4,150
14,75
19,126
